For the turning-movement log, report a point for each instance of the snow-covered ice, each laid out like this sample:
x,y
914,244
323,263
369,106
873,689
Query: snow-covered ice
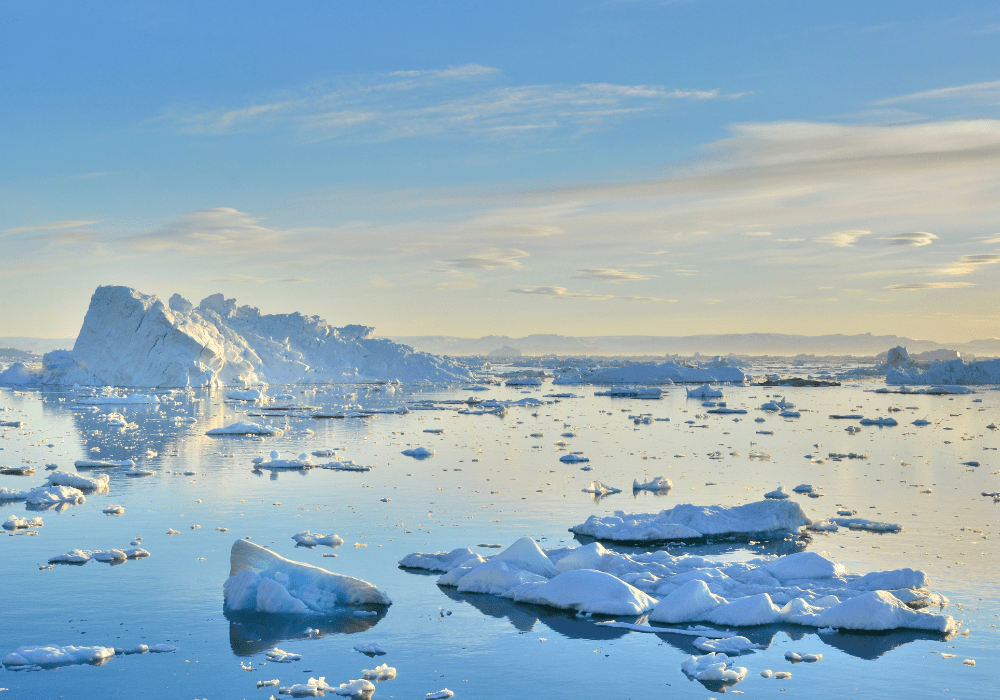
x,y
688,521
245,428
263,581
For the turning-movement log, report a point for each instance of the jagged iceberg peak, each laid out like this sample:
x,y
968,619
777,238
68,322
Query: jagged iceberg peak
x,y
134,339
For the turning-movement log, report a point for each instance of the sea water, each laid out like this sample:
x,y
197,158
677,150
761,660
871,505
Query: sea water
x,y
488,482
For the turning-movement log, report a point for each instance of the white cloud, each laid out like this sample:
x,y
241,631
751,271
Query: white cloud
x,y
843,239
563,293
931,285
608,275
491,259
916,238
219,230
407,104
757,233
53,226
988,92
250,279
968,264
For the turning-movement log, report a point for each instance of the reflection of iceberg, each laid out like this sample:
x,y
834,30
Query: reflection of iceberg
x,y
251,633
264,582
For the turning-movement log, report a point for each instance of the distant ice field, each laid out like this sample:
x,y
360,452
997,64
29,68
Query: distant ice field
x,y
492,477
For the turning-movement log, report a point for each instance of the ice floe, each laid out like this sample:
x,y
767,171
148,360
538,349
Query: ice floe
x,y
659,483
262,581
311,539
688,521
245,428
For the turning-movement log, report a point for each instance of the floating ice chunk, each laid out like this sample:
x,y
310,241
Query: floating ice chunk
x,y
782,675
162,649
346,466
600,488
795,657
418,452
767,673
245,428
385,672
114,510
360,688
99,482
779,494
692,601
865,524
688,521
729,645
371,649
880,610
438,561
16,523
282,657
659,483
74,556
266,582
53,657
54,495
879,421
440,695
790,414
139,471
573,459
705,391
266,684
804,488
311,539
9,494
103,463
713,667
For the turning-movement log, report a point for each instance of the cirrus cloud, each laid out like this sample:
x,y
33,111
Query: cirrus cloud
x,y
563,293
915,238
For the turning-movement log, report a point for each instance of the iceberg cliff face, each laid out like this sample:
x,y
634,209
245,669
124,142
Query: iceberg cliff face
x,y
133,339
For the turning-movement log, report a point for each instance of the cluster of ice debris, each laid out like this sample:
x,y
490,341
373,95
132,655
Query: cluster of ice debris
x,y
655,374
131,339
804,588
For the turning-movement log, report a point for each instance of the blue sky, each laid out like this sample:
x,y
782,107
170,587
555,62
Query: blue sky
x,y
470,168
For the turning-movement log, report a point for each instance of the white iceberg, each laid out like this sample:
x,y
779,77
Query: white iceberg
x,y
129,339
52,657
688,521
659,483
262,581
245,428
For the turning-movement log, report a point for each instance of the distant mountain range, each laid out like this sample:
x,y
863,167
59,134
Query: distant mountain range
x,y
38,346
863,345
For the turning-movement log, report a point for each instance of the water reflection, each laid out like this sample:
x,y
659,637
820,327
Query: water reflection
x,y
524,617
251,633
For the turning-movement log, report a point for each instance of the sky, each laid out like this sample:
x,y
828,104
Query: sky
x,y
443,168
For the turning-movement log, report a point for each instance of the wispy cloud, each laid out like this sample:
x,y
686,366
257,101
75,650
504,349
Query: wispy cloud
x,y
491,259
55,225
563,293
930,285
988,92
843,239
250,279
602,274
406,104
968,264
757,233
220,230
916,238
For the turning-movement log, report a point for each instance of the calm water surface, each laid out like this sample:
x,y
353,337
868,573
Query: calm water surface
x,y
488,483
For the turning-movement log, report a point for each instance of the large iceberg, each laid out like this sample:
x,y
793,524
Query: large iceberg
x,y
949,372
804,588
135,340
264,582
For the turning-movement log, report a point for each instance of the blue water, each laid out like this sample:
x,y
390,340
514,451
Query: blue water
x,y
481,646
